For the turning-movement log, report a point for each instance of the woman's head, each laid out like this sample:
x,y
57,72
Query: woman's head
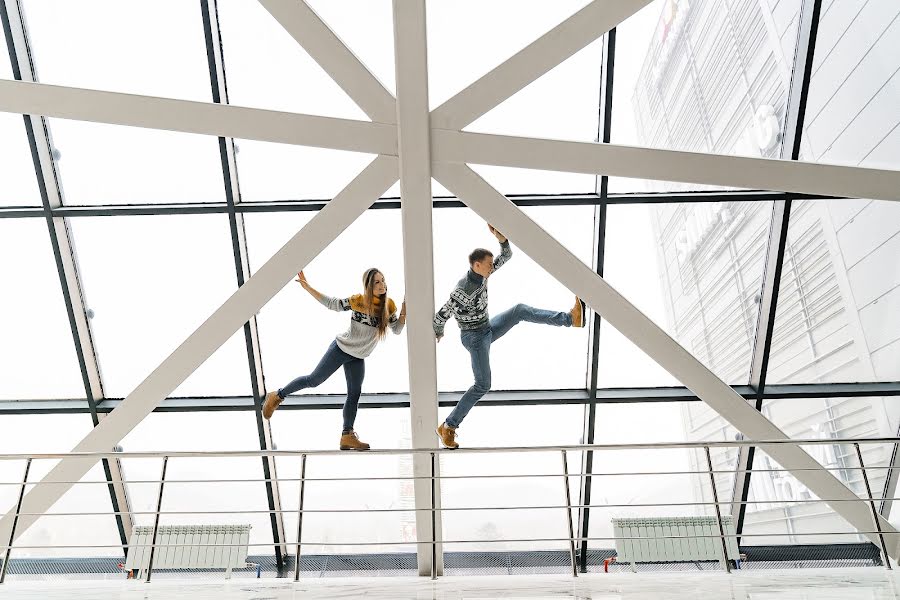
x,y
376,298
373,280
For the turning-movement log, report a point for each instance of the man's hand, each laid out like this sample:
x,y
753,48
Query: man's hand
x,y
437,338
500,237
301,279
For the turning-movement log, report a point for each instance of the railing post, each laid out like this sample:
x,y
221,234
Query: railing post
x,y
300,516
712,482
12,531
162,483
569,516
433,519
862,466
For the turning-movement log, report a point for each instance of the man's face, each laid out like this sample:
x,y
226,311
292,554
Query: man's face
x,y
484,267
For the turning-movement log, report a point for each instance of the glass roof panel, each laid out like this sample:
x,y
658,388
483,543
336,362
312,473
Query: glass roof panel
x,y
696,269
150,282
705,77
37,337
18,186
153,49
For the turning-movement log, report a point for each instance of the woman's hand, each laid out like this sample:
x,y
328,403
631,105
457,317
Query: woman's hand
x,y
403,311
301,279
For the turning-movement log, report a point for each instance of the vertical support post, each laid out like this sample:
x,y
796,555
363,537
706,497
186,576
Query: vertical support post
x,y
414,142
715,494
12,531
162,483
300,516
871,500
569,515
433,518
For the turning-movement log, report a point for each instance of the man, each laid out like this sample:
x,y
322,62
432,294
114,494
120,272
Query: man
x,y
469,304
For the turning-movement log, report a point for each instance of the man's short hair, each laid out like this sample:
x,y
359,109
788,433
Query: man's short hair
x,y
479,254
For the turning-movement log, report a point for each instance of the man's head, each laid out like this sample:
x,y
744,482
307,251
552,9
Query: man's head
x,y
482,262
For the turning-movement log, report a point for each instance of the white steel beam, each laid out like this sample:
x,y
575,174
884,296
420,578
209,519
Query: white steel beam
x,y
665,165
534,60
418,260
327,49
188,116
656,343
202,343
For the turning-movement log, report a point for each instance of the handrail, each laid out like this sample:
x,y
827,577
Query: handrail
x,y
476,450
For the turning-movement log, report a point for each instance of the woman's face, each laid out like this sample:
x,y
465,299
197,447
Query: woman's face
x,y
380,286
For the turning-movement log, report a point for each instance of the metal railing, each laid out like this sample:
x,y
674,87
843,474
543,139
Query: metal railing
x,y
434,477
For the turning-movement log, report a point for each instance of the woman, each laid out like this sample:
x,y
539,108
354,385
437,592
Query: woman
x,y
373,313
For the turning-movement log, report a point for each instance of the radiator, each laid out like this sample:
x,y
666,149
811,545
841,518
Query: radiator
x,y
190,547
673,539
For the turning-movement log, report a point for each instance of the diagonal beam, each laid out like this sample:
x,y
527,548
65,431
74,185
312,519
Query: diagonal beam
x,y
665,165
327,49
534,60
418,261
646,335
219,327
188,116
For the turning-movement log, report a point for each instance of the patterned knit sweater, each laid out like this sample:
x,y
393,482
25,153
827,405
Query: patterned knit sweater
x,y
362,336
469,300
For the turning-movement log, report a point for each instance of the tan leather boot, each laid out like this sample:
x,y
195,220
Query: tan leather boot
x,y
273,401
448,436
350,441
578,313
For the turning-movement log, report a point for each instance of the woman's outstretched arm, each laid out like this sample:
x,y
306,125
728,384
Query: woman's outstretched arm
x,y
336,304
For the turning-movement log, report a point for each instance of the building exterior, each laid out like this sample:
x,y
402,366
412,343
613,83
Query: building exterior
x,y
715,79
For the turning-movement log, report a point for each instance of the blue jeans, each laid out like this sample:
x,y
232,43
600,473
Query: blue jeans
x,y
478,343
354,370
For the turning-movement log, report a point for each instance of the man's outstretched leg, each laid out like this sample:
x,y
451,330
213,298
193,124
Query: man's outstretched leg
x,y
478,343
506,320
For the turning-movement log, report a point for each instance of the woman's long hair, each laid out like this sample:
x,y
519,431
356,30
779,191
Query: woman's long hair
x,y
376,310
